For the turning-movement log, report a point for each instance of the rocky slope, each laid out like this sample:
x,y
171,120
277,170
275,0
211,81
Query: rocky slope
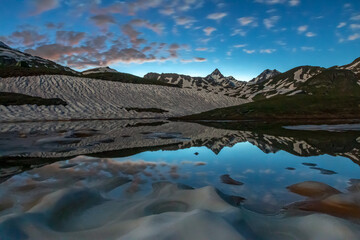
x,y
265,75
268,84
214,82
301,93
354,66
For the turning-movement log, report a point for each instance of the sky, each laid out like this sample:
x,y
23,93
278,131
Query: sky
x,y
241,38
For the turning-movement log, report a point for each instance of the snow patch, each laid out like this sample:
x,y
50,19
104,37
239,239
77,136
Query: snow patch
x,y
94,99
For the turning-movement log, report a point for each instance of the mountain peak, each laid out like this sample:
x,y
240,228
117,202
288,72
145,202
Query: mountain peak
x,y
265,75
216,72
3,45
215,75
99,70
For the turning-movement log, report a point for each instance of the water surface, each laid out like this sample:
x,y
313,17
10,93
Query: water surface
x,y
134,179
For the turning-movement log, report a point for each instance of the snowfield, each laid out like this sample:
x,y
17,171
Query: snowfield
x,y
98,99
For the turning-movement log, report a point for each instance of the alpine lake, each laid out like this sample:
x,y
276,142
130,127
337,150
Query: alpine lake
x,y
160,179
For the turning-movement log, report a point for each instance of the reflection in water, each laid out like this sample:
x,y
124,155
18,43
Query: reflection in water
x,y
161,180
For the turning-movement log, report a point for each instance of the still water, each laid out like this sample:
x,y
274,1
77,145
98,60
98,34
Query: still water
x,y
178,180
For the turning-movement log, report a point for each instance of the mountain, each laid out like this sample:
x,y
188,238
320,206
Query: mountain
x,y
14,63
354,66
215,79
265,75
214,82
99,70
3,45
301,92
304,92
18,63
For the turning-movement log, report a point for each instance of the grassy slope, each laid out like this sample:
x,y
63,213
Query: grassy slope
x,y
8,99
335,94
17,71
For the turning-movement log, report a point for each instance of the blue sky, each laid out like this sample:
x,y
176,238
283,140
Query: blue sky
x,y
241,38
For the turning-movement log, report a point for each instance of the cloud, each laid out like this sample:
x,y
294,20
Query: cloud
x,y
355,18
270,22
266,171
196,59
271,2
54,25
246,21
310,34
132,7
102,20
132,34
157,28
41,6
240,45
184,21
69,37
173,48
201,49
217,16
96,52
308,48
167,11
249,51
294,2
355,26
26,38
269,51
248,171
54,51
341,25
302,29
280,42
200,59
209,30
239,32
354,37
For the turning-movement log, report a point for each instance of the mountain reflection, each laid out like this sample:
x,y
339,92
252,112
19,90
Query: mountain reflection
x,y
50,141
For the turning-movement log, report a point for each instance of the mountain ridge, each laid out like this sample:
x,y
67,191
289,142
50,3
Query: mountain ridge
x,y
293,86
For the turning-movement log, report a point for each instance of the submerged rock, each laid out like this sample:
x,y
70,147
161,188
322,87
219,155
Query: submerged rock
x,y
326,199
228,180
313,189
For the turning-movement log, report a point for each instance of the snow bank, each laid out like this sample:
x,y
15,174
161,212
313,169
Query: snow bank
x,y
97,99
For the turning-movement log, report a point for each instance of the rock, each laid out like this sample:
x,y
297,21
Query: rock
x,y
313,189
228,180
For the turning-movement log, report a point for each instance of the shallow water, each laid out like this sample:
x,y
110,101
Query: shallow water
x,y
152,179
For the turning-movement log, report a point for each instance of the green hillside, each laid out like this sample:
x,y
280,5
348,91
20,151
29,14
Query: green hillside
x,y
333,93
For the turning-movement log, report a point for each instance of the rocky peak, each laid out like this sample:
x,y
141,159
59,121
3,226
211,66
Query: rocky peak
x,y
216,75
265,75
99,70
